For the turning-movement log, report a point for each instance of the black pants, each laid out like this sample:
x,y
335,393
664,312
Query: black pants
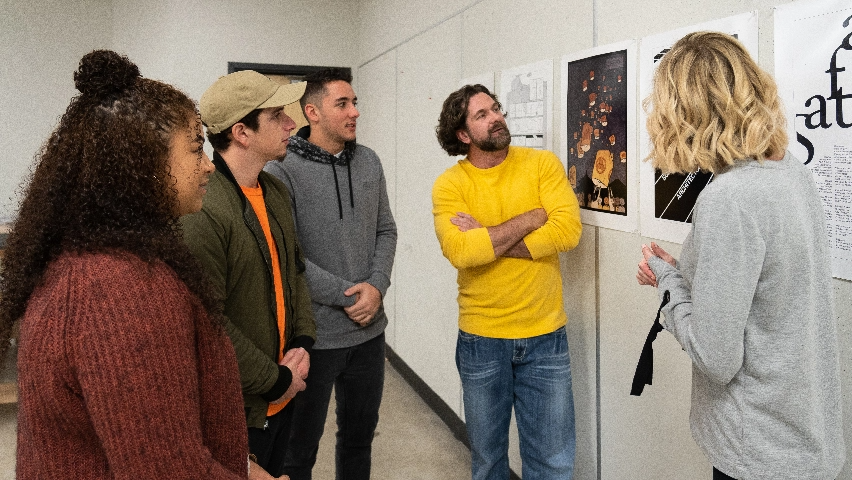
x,y
269,444
358,377
717,475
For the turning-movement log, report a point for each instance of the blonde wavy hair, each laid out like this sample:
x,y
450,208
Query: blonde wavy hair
x,y
712,106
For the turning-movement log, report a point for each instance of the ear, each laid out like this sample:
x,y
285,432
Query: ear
x,y
312,113
240,134
463,136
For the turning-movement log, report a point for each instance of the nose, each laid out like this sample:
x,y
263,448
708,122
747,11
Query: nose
x,y
206,165
289,123
354,113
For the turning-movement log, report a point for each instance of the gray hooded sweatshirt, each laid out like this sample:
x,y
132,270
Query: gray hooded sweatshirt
x,y
346,230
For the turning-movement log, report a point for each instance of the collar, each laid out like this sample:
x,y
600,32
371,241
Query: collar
x,y
300,145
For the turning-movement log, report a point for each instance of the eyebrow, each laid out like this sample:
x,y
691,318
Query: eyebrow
x,y
486,110
353,99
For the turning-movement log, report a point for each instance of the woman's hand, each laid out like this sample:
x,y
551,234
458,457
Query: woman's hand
x,y
645,276
256,472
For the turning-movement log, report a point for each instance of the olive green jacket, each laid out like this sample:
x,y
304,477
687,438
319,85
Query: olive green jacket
x,y
227,239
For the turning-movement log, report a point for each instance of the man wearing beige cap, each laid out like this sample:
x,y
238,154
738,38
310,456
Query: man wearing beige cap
x,y
244,237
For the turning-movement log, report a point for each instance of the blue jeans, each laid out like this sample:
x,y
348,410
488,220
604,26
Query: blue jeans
x,y
534,376
358,377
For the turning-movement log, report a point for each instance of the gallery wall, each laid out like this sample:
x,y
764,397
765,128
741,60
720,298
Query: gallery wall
x,y
405,73
185,43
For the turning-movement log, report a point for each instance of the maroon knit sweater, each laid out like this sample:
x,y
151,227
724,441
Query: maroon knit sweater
x,y
122,375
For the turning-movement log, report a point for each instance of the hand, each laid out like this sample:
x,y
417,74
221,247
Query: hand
x,y
645,276
302,357
367,302
256,472
465,222
294,359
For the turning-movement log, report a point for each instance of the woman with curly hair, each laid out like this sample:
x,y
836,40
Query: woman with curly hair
x,y
751,296
123,368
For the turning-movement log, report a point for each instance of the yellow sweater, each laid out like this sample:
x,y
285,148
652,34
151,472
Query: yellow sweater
x,y
508,297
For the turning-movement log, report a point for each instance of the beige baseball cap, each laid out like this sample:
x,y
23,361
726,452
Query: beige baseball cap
x,y
235,95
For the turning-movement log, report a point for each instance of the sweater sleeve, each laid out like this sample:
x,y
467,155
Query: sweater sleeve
x,y
137,369
259,374
709,319
563,228
327,288
382,263
463,249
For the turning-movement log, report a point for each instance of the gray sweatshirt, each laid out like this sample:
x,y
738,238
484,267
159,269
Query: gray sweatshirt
x,y
751,304
345,228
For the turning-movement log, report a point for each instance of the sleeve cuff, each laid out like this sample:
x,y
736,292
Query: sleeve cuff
x,y
285,378
302,341
345,301
660,267
380,281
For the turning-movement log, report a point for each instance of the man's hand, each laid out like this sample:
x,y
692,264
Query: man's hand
x,y
298,361
465,221
302,359
368,299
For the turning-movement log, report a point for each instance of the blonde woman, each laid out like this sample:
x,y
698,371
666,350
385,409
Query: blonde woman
x,y
751,296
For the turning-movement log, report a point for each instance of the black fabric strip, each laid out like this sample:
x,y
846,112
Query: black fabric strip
x,y
645,368
337,189
351,195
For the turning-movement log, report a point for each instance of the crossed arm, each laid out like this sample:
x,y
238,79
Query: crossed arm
x,y
507,238
538,232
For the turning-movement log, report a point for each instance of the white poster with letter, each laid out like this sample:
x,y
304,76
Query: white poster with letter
x,y
813,66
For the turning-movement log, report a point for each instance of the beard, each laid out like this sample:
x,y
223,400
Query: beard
x,y
498,139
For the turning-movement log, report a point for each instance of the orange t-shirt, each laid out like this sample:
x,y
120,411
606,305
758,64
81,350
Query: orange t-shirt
x,y
255,197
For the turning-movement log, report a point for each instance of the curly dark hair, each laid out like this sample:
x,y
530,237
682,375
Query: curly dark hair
x,y
315,89
101,183
454,115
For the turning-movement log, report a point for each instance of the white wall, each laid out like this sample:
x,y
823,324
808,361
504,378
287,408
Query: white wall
x,y
187,43
432,49
40,44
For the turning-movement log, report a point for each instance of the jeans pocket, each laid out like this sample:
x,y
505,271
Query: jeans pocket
x,y
468,337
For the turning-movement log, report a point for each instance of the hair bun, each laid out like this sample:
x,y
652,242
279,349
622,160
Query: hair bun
x,y
104,74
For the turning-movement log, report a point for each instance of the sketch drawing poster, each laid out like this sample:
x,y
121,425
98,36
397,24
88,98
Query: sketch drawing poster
x,y
484,79
526,94
667,201
599,141
813,67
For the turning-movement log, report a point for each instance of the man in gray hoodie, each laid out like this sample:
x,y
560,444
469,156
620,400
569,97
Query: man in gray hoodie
x,y
348,235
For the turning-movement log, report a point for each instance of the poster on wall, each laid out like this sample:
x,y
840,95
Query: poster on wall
x,y
813,68
484,79
667,201
599,141
526,94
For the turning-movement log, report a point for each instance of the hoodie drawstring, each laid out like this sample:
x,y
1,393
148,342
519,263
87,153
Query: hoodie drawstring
x,y
337,189
351,196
